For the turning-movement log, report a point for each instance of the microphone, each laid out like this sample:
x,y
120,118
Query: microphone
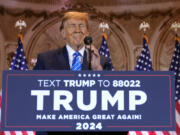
x,y
88,41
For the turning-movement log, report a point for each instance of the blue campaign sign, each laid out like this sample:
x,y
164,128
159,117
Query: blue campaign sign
x,y
88,100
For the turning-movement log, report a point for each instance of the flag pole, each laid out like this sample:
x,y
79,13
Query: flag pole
x,y
19,60
104,50
20,24
175,26
143,27
144,62
104,26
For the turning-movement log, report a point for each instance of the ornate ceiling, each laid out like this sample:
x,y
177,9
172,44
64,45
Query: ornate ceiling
x,y
119,5
99,2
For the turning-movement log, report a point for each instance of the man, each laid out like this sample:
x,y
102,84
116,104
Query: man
x,y
74,29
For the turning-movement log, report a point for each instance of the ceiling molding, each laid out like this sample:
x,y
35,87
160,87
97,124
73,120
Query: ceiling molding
x,y
105,6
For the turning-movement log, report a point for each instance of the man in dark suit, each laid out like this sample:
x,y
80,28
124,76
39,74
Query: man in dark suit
x,y
73,29
59,60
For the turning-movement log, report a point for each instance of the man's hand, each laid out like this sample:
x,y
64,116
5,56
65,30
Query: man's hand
x,y
95,58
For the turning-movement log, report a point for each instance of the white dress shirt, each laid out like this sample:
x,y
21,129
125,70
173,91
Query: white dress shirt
x,y
71,51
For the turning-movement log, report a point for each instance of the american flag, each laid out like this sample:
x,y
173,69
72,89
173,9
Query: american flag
x,y
19,59
144,63
141,66
175,66
104,50
18,63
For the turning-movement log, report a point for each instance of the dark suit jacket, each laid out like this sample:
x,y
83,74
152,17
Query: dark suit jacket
x,y
58,60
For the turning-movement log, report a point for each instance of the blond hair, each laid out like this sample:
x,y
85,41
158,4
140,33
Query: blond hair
x,y
74,15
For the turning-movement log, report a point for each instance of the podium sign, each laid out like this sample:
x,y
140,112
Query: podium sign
x,y
88,101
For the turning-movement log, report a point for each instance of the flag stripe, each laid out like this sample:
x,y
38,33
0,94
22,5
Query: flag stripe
x,y
178,107
177,129
143,132
7,133
12,133
177,117
30,133
19,132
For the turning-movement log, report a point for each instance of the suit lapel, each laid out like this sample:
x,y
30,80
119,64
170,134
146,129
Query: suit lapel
x,y
63,59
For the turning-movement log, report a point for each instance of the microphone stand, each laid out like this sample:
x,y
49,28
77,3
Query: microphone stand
x,y
90,57
88,41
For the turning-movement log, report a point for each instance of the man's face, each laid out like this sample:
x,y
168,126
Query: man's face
x,y
74,32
